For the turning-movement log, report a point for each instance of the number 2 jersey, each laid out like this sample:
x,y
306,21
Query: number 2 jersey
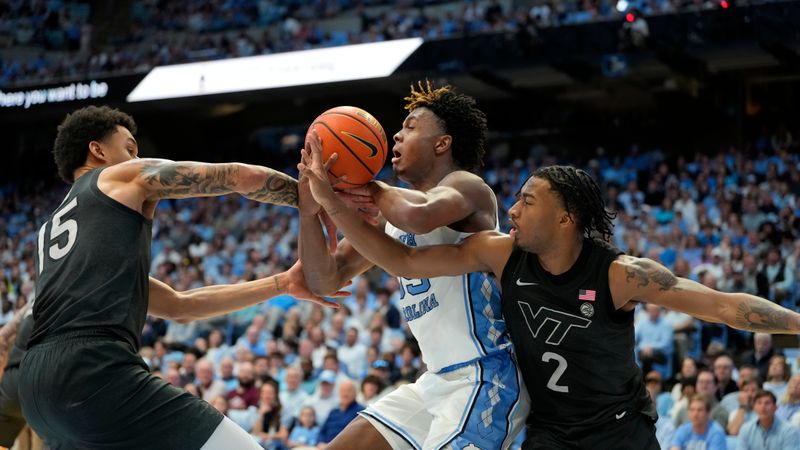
x,y
456,320
93,256
575,350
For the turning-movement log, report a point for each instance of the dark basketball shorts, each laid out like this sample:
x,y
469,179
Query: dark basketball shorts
x,y
636,432
11,420
94,392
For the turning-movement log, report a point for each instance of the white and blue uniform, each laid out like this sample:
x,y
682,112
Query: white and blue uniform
x,y
472,395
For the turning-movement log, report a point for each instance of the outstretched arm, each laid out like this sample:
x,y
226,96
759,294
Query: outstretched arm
x,y
459,195
210,301
155,179
644,280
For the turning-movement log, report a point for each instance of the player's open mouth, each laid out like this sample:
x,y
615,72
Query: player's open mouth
x,y
396,156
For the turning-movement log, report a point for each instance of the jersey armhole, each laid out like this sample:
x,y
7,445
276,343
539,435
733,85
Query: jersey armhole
x,y
104,198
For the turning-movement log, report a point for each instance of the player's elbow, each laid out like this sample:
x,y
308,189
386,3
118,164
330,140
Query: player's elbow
x,y
250,178
323,286
179,309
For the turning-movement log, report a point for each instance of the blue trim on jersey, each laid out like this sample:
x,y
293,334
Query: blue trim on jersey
x,y
396,428
476,390
513,411
470,314
452,367
483,323
507,399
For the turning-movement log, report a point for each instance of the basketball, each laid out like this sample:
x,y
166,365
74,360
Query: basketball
x,y
359,140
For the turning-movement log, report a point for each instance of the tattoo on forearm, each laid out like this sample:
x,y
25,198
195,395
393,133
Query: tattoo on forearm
x,y
175,180
644,271
278,188
761,315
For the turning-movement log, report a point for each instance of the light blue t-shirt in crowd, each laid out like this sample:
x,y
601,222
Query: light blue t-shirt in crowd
x,y
713,439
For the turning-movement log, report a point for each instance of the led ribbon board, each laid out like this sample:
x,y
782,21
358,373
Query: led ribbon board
x,y
346,63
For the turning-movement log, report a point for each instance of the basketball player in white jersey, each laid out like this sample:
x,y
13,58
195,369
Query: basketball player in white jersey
x,y
472,395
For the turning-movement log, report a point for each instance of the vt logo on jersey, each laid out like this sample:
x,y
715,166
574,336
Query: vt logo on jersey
x,y
553,325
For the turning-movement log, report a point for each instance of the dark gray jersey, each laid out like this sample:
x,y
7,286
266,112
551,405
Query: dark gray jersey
x,y
93,256
575,350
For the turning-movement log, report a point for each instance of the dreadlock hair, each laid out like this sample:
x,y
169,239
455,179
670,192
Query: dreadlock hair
x,y
582,199
85,125
458,116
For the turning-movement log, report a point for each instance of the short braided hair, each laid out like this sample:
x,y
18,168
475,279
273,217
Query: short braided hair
x,y
458,116
582,199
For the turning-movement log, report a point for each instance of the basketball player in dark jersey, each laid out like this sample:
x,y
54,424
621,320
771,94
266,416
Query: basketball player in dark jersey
x,y
82,384
568,300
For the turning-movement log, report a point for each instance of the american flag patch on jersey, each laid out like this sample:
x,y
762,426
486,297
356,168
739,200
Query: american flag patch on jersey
x,y
586,294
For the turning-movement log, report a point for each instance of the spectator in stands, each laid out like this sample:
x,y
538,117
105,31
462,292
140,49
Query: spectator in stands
x,y
310,381
768,432
789,404
390,312
331,364
187,370
268,430
409,363
654,383
723,372
353,355
217,348
761,354
292,396
306,432
688,371
323,400
700,431
251,341
778,374
372,388
339,417
706,386
173,377
226,374
654,340
262,371
210,388
246,393
776,277
744,412
276,365
664,426
746,372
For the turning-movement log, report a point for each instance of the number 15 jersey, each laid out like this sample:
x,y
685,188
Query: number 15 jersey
x,y
93,257
575,349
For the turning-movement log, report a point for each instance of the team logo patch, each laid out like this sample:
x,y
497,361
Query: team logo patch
x,y
587,309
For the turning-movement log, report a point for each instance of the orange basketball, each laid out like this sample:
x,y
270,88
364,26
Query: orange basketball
x,y
359,140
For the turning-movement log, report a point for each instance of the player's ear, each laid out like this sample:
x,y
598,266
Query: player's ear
x,y
443,144
97,151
